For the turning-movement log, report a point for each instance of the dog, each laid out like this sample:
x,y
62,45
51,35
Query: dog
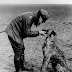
x,y
53,56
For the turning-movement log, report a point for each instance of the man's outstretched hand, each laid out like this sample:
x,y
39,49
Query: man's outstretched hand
x,y
42,32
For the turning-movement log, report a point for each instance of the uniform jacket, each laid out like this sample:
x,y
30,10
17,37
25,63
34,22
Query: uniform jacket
x,y
20,27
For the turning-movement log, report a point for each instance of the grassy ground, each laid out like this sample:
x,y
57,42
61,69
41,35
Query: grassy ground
x,y
60,20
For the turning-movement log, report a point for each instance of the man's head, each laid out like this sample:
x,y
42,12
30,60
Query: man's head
x,y
44,15
40,17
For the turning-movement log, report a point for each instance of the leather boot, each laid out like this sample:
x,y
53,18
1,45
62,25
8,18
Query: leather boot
x,y
17,64
22,61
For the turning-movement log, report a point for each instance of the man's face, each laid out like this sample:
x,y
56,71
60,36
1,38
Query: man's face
x,y
40,20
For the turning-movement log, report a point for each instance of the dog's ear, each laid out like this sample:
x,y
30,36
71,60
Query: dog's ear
x,y
53,33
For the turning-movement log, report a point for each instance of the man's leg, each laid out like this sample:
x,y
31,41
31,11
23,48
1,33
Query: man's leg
x,y
22,59
17,62
17,54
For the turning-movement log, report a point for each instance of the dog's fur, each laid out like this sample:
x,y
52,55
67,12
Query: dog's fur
x,y
53,56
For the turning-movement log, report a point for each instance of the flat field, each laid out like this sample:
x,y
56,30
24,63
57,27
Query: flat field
x,y
60,20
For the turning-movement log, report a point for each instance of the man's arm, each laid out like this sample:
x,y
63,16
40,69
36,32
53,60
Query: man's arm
x,y
30,33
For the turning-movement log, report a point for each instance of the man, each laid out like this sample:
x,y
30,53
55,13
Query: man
x,y
20,28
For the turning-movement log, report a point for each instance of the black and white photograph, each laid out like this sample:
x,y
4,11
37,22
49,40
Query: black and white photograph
x,y
36,36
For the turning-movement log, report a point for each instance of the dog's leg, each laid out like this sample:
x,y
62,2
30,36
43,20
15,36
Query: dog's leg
x,y
45,63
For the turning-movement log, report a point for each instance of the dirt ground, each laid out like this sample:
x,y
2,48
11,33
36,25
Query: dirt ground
x,y
33,51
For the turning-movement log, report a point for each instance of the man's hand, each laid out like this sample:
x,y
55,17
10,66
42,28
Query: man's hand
x,y
42,32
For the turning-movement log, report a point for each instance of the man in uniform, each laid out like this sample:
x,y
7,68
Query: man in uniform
x,y
20,28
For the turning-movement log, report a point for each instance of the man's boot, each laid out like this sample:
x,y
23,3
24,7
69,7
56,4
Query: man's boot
x,y
17,64
22,61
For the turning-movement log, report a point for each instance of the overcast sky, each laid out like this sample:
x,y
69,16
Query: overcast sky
x,y
35,1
